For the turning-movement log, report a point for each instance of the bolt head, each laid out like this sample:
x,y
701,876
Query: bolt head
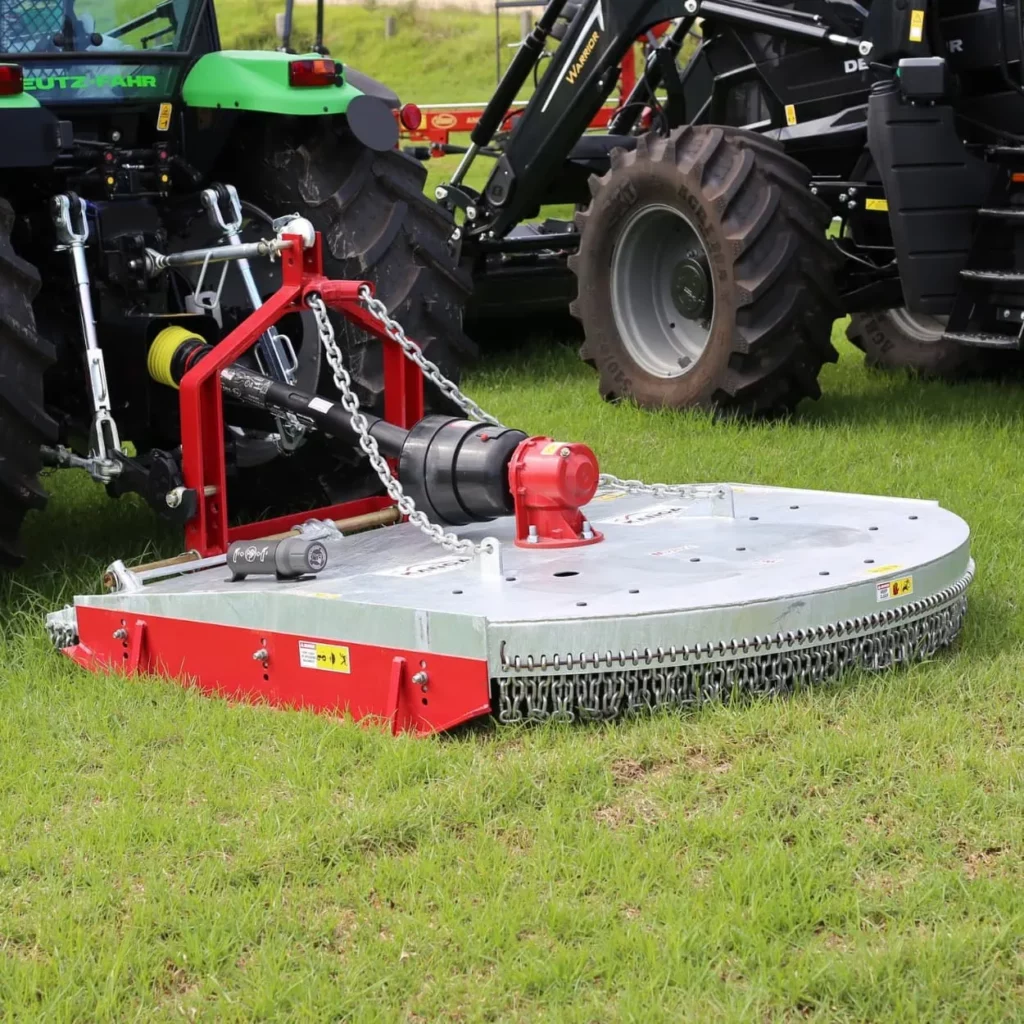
x,y
440,192
470,213
173,498
851,205
814,190
690,6
564,452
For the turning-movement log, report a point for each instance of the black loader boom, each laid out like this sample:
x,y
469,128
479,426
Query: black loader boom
x,y
900,126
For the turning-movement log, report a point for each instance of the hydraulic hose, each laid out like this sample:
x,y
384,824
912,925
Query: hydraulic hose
x,y
516,74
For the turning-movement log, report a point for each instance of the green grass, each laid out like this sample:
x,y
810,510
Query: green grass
x,y
848,855
435,57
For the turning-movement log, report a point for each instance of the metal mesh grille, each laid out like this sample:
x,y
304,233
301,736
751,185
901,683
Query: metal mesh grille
x,y
29,25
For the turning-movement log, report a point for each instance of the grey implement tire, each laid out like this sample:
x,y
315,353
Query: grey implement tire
x,y
767,260
894,339
25,424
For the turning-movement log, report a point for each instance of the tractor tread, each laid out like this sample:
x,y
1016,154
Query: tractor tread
x,y
783,266
25,424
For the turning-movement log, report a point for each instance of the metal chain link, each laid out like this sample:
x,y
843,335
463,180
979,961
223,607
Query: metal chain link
x,y
540,689
396,332
350,403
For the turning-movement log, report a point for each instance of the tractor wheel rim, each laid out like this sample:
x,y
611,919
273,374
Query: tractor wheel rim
x,y
919,326
662,291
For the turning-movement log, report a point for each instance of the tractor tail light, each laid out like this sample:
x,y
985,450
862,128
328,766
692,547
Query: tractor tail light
x,y
411,117
11,81
312,73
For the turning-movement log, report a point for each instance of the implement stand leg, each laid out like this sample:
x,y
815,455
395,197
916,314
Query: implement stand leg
x,y
395,691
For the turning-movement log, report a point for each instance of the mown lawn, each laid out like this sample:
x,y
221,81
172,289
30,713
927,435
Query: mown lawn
x,y
848,855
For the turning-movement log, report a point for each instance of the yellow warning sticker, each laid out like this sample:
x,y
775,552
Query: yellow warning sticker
x,y
902,587
163,118
790,114
878,570
329,657
611,495
916,26
553,448
880,205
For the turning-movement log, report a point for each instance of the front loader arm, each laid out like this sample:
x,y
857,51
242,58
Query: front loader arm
x,y
580,77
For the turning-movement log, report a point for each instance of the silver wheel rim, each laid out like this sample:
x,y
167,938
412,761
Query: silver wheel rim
x,y
663,294
919,326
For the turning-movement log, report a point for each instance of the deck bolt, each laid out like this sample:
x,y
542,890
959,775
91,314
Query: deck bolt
x,y
440,192
532,537
588,533
851,205
842,197
421,679
565,453
470,213
262,655
121,634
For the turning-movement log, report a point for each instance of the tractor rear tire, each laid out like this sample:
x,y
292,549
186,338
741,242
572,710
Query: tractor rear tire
x,y
376,224
893,339
745,246
25,424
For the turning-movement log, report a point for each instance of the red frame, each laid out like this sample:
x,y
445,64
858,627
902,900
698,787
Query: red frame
x,y
218,659
202,406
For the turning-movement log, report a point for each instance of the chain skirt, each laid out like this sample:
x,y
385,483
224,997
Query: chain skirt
x,y
627,684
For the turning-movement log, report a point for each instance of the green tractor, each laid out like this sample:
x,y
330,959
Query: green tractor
x,y
125,131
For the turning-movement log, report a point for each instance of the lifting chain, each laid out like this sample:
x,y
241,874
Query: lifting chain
x,y
350,403
396,333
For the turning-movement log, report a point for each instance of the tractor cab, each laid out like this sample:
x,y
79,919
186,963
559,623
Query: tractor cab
x,y
87,51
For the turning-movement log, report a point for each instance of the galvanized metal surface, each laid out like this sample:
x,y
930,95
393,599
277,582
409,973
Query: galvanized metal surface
x,y
677,573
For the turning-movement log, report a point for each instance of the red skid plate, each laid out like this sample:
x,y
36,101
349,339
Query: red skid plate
x,y
414,691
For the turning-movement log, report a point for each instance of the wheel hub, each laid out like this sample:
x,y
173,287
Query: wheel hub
x,y
691,287
663,294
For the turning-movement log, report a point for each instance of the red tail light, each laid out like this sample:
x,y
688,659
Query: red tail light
x,y
11,81
312,73
411,117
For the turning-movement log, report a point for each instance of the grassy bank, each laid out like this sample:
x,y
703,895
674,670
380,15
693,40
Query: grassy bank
x,y
848,855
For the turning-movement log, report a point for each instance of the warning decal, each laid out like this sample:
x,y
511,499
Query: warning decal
x,y
878,205
163,118
902,587
430,568
790,114
650,514
916,26
329,657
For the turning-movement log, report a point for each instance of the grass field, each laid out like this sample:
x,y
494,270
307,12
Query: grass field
x,y
849,855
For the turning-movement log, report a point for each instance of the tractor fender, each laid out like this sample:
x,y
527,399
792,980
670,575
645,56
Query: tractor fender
x,y
257,80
